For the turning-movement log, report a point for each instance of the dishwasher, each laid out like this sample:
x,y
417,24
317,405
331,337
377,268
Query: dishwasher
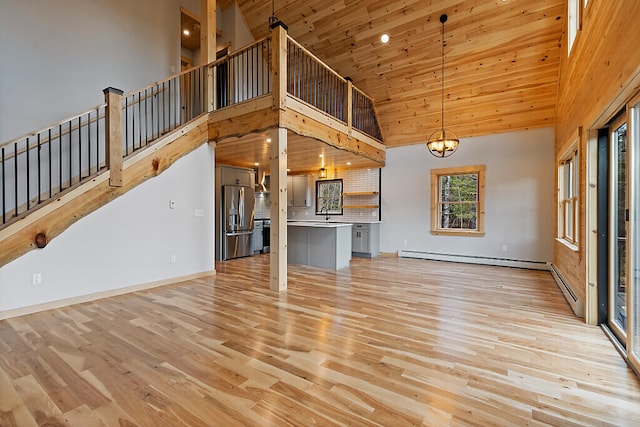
x,y
257,236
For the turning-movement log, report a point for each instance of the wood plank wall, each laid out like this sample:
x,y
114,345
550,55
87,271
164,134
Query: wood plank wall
x,y
599,76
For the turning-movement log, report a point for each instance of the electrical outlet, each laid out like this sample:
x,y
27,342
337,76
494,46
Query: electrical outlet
x,y
37,279
505,248
199,212
172,259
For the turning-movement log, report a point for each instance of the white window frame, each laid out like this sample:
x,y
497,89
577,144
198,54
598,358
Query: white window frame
x,y
436,202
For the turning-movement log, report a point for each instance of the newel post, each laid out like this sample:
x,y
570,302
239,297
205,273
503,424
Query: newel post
x,y
279,65
113,135
348,107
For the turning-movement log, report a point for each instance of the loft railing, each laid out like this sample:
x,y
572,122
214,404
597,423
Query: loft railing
x,y
162,107
310,80
41,165
243,75
364,115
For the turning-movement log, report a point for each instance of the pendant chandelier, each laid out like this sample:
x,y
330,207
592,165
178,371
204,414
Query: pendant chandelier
x,y
443,143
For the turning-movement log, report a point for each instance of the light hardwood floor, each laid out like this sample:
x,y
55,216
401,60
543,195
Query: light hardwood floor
x,y
386,342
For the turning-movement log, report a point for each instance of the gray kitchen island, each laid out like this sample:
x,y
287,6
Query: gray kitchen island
x,y
319,244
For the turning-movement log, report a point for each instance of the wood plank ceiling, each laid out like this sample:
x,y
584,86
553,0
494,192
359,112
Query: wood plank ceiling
x,y
501,59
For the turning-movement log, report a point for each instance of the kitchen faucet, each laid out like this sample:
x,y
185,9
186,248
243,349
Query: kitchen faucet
x,y
326,211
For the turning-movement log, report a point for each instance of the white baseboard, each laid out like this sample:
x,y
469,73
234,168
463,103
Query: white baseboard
x,y
576,304
98,295
468,259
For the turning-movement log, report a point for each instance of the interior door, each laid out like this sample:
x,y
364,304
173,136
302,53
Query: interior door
x,y
618,229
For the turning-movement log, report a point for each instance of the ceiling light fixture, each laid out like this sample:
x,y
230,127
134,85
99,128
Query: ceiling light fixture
x,y
442,143
322,172
384,38
185,32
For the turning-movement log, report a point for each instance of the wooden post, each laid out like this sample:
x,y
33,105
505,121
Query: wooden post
x,y
278,163
279,65
348,100
113,135
208,47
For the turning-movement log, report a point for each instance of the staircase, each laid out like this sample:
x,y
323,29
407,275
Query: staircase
x,y
52,177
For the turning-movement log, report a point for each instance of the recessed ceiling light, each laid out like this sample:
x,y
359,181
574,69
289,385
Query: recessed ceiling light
x,y
321,155
257,164
268,139
384,38
186,32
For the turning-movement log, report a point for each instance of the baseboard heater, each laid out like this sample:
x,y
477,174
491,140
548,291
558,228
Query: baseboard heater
x,y
471,259
576,304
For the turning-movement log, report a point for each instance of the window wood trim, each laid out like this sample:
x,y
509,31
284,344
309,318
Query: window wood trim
x,y
435,200
573,156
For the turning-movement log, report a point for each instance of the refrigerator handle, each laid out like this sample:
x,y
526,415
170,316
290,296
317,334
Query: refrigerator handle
x,y
240,233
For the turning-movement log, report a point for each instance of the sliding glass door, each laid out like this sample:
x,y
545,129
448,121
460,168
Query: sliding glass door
x,y
618,261
633,298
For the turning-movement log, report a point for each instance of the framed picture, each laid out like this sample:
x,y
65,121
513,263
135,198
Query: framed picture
x,y
329,197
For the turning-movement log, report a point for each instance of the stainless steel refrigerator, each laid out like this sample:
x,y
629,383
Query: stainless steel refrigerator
x,y
237,214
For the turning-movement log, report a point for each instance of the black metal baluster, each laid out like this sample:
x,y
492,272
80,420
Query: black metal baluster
x,y
39,177
60,157
97,140
4,205
26,154
164,108
169,93
89,142
15,173
126,126
50,166
70,154
79,149
146,118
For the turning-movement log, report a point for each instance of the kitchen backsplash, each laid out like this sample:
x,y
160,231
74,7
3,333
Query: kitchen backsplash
x,y
361,180
261,207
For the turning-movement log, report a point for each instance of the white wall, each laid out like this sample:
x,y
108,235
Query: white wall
x,y
57,57
519,197
128,242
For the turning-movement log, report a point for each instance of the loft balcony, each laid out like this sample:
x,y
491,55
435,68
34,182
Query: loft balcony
x,y
276,82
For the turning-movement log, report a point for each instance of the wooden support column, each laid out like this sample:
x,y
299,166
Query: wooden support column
x,y
113,136
208,47
348,107
279,65
278,163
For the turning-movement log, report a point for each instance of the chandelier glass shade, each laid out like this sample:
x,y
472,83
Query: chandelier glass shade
x,y
442,143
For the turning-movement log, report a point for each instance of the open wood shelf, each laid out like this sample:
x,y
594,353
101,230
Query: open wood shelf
x,y
361,207
361,193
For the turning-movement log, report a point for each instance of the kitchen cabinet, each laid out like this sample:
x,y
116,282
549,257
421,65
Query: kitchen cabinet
x,y
365,240
298,191
324,245
229,175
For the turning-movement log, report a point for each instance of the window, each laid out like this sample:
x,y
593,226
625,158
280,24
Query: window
x,y
574,21
329,197
457,201
568,182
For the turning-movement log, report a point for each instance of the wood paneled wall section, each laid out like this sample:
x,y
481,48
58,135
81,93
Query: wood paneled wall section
x,y
599,76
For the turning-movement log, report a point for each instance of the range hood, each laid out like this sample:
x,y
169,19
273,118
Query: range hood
x,y
262,181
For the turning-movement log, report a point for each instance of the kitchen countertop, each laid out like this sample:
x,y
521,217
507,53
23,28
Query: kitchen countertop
x,y
319,224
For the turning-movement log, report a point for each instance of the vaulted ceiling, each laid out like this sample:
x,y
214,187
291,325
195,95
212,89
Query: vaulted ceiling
x,y
501,58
